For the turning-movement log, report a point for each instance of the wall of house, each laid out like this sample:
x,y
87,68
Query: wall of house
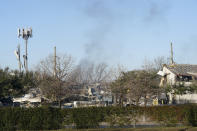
x,y
186,98
171,77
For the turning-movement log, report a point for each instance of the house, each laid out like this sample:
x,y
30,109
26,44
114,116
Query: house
x,y
176,74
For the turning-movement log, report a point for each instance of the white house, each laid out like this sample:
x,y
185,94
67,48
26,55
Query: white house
x,y
179,74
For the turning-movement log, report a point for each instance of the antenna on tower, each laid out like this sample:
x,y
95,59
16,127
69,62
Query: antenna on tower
x,y
25,34
172,60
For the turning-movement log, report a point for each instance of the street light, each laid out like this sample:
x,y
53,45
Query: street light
x,y
25,34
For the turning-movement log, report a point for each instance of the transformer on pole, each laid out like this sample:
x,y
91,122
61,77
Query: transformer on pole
x,y
25,34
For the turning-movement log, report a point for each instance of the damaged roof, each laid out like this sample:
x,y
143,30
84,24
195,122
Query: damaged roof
x,y
183,69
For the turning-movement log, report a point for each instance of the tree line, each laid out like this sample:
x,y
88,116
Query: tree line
x,y
56,82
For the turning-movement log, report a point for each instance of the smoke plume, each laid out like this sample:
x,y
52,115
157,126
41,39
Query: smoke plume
x,y
99,46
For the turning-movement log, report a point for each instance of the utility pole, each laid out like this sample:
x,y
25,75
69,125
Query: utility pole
x,y
26,58
25,34
19,59
55,71
17,53
172,61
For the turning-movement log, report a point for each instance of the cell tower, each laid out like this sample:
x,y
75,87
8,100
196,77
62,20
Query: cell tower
x,y
25,34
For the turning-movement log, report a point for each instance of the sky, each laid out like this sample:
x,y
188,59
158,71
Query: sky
x,y
124,32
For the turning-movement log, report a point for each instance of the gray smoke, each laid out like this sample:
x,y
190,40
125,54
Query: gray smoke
x,y
104,17
157,10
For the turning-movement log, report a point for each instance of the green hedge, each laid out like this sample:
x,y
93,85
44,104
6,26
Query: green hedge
x,y
30,119
193,116
47,118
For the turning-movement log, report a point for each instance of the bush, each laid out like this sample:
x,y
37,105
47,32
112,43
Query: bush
x,y
87,117
47,118
30,119
8,119
193,116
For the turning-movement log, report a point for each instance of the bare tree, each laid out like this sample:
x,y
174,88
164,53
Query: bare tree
x,y
155,65
117,89
148,65
55,81
160,61
90,73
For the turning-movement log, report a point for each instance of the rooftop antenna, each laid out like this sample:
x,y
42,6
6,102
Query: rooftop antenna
x,y
25,34
172,61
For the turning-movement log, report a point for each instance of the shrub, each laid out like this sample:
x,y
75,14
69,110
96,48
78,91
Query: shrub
x,y
47,118
193,116
87,117
8,119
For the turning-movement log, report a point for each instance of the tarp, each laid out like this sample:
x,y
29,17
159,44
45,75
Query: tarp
x,y
23,99
161,73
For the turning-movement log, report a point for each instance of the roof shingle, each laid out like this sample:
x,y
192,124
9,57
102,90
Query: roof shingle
x,y
183,69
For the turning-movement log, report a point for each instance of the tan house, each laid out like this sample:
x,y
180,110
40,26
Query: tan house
x,y
175,74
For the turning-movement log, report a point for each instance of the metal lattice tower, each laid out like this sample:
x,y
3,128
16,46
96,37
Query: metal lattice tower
x,y
25,34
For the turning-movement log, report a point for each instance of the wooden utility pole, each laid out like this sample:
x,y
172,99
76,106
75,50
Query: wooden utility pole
x,y
17,53
19,59
26,58
172,61
55,71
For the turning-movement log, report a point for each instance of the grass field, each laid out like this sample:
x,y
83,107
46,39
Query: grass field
x,y
137,129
